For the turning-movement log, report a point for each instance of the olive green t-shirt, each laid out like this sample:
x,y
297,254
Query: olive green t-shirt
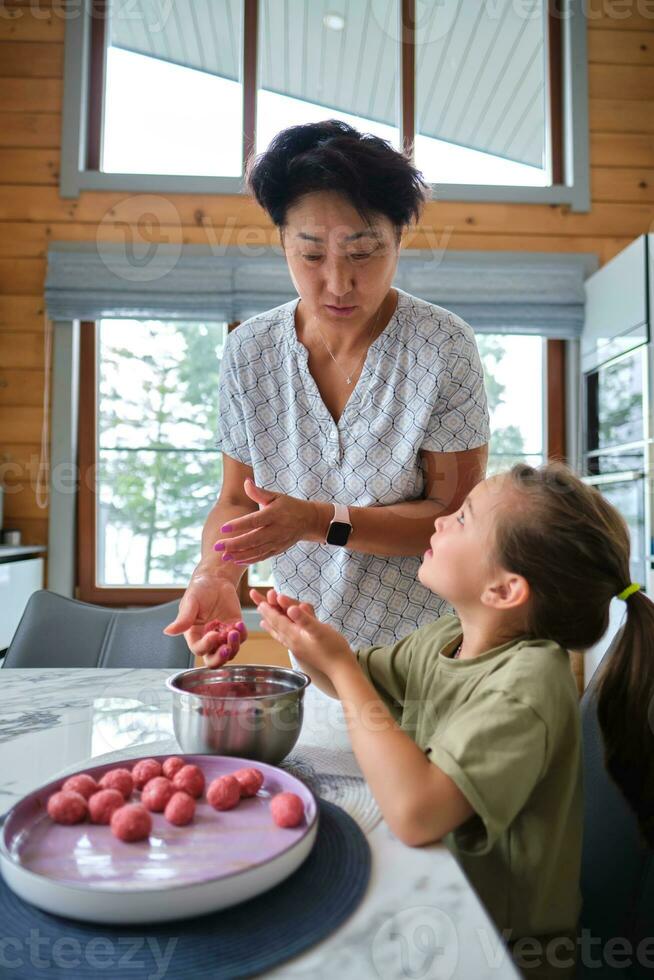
x,y
505,728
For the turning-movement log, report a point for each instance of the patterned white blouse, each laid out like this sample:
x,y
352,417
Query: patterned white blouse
x,y
421,388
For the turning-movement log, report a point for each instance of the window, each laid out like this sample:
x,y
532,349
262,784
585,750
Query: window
x,y
174,97
148,447
343,65
482,94
162,117
513,374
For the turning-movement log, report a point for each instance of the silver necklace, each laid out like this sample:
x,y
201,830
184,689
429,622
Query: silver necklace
x,y
348,377
456,653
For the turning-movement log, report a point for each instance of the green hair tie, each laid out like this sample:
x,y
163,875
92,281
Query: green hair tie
x,y
634,587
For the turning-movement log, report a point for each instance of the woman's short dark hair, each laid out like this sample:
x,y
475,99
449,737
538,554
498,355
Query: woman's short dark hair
x,y
333,156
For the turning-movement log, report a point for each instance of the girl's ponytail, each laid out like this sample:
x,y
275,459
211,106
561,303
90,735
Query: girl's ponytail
x,y
625,711
572,546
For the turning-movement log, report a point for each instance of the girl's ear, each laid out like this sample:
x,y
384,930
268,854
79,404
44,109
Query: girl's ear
x,y
506,591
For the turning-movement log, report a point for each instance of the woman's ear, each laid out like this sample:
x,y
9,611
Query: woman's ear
x,y
506,591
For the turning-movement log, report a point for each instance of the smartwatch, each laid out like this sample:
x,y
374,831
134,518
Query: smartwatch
x,y
340,527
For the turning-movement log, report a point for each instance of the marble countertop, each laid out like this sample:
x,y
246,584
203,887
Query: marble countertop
x,y
420,916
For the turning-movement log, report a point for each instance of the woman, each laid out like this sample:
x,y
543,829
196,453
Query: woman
x,y
351,417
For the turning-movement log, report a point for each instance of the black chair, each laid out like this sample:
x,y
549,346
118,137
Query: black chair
x,y
617,874
59,632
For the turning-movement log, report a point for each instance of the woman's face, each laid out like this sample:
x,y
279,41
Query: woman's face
x,y
335,259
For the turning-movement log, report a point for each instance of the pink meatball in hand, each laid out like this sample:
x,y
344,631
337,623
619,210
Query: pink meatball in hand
x,y
227,640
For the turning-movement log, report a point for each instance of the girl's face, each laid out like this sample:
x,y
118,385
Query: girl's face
x,y
336,260
458,564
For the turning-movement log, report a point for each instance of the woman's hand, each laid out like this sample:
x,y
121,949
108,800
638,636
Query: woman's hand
x,y
209,596
294,624
280,522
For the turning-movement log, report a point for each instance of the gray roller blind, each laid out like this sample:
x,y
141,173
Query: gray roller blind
x,y
496,292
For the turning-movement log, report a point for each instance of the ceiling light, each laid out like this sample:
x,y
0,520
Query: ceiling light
x,y
335,22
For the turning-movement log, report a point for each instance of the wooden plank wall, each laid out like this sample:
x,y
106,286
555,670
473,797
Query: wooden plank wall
x,y
621,53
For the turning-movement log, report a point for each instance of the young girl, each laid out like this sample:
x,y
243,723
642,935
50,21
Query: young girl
x,y
468,729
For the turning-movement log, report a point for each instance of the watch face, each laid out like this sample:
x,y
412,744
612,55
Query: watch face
x,y
338,533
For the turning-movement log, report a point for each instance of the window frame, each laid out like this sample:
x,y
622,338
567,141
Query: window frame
x,y
85,43
87,588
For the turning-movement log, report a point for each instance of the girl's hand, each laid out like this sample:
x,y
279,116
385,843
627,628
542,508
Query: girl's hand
x,y
280,522
294,624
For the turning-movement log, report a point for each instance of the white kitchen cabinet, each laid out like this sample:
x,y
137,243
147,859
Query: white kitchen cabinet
x,y
617,437
21,574
616,316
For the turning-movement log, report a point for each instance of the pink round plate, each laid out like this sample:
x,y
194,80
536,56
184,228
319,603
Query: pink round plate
x,y
220,859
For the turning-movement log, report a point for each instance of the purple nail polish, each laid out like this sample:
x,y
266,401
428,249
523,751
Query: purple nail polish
x,y
227,557
240,626
219,546
226,527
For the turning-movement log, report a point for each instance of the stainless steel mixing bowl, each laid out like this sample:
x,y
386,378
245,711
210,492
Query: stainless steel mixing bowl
x,y
262,721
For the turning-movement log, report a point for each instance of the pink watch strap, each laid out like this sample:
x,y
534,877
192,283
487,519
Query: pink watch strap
x,y
341,514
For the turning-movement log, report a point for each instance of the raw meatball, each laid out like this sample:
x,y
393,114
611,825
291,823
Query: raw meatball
x,y
190,779
103,804
250,780
144,771
156,794
81,783
287,809
67,807
232,689
224,793
180,809
172,765
120,779
131,822
219,627
224,629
